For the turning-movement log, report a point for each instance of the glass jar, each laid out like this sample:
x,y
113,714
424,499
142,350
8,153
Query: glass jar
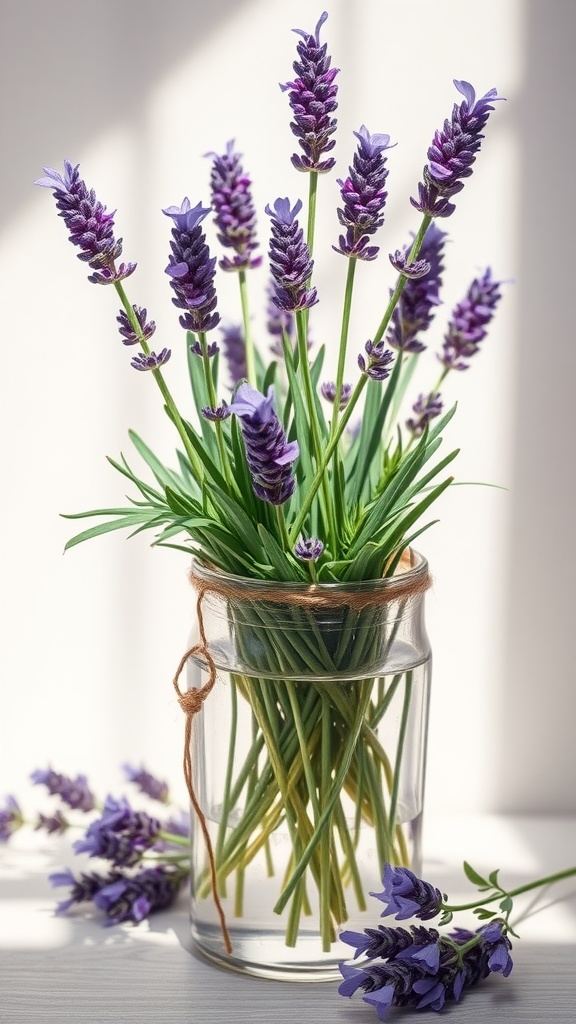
x,y
308,761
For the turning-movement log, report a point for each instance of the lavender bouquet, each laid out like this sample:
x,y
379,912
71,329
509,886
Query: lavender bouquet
x,y
275,483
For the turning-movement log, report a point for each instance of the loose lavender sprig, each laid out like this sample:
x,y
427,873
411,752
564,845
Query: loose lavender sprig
x,y
191,269
123,897
147,783
11,818
469,320
453,151
90,226
312,97
120,834
76,793
364,196
234,209
268,454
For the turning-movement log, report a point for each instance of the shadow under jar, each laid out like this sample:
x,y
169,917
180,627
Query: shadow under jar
x,y
308,760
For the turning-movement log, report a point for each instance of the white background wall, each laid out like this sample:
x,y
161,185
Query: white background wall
x,y
137,91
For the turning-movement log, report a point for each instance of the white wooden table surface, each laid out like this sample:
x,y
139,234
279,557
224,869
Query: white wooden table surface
x,y
70,970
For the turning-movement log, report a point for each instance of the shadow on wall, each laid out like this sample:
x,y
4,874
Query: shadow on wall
x,y
538,703
83,63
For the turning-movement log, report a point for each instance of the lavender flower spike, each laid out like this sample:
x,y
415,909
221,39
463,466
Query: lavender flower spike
x,y
120,835
453,151
127,332
425,408
134,898
90,227
150,361
378,364
191,269
364,196
234,348
11,818
235,213
268,454
328,391
312,97
406,896
147,783
470,318
74,792
290,262
417,303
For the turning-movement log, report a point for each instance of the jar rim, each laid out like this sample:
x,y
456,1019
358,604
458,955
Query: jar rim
x,y
413,577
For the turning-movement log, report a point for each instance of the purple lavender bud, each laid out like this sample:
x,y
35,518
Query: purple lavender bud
x,y
221,412
11,818
235,214
414,270
308,549
55,824
150,361
496,946
453,151
191,269
415,309
134,898
290,262
278,322
379,359
328,390
268,454
74,792
312,97
378,942
82,889
212,349
364,196
90,227
470,318
405,895
127,332
425,408
234,348
120,835
147,783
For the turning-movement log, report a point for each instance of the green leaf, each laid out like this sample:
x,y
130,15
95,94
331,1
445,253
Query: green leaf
x,y
493,878
506,905
286,568
164,476
107,527
473,875
483,914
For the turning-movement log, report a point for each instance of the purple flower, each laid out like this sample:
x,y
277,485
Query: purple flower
x,y
379,359
470,318
417,303
497,948
414,270
134,898
380,942
364,196
328,391
11,818
55,824
90,227
221,412
74,792
127,332
308,549
453,151
268,454
425,408
278,322
212,349
312,97
147,783
150,361
82,889
120,835
234,348
191,269
405,895
290,262
235,214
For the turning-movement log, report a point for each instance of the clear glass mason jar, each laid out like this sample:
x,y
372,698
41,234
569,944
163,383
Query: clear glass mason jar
x,y
308,761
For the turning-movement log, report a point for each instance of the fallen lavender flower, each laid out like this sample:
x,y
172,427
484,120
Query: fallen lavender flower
x,y
405,895
132,898
268,454
312,96
54,824
74,792
90,227
453,151
120,835
147,783
11,818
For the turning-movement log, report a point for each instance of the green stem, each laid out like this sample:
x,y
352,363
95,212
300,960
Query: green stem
x,y
248,342
547,880
343,342
170,404
213,401
400,751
